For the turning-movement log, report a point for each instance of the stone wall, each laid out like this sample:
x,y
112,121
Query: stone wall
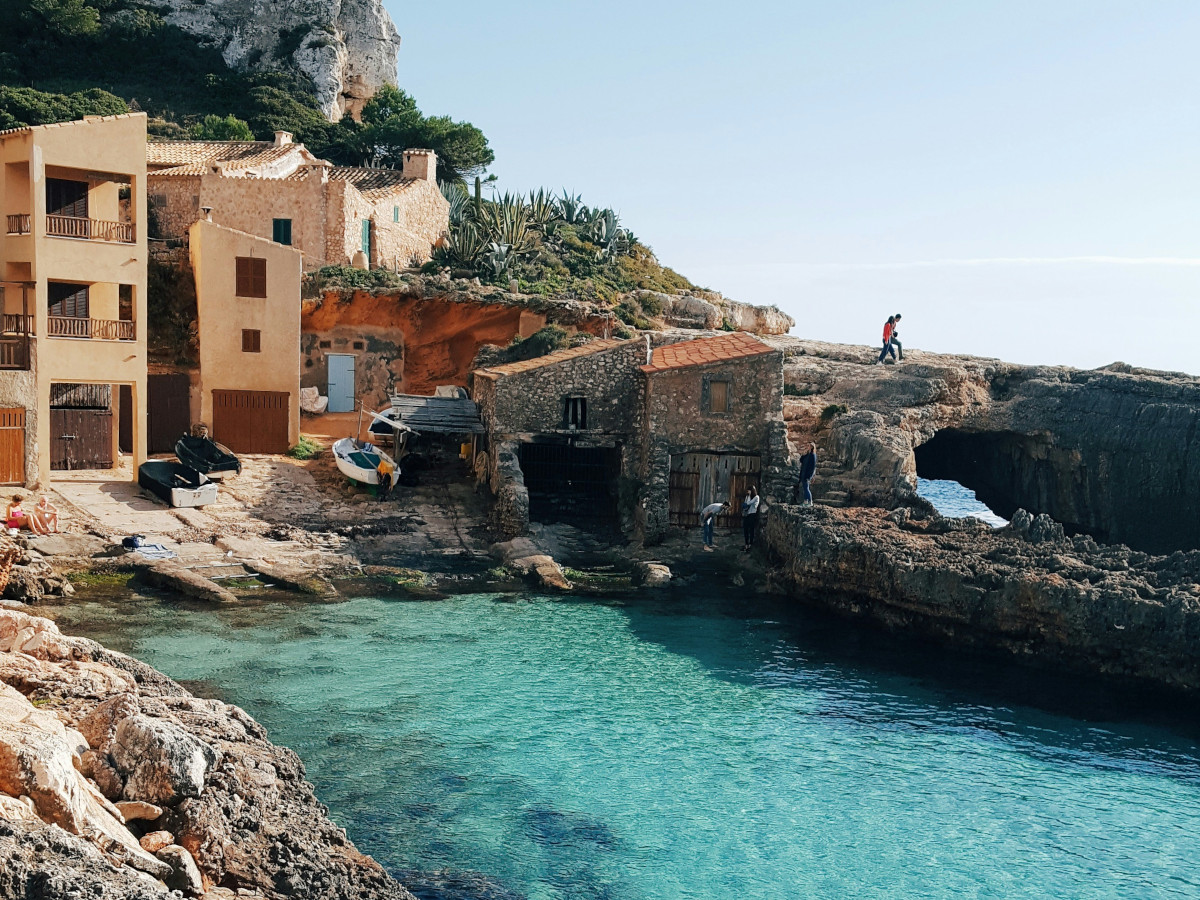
x,y
677,420
326,215
18,389
424,218
532,402
247,204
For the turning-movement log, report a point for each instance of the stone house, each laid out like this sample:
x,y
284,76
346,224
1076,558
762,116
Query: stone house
x,y
248,314
712,426
280,191
630,436
560,434
73,293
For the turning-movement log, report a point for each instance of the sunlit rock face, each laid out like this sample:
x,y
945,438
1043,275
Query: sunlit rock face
x,y
347,47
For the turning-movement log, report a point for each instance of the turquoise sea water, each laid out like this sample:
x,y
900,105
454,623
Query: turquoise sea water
x,y
717,747
953,500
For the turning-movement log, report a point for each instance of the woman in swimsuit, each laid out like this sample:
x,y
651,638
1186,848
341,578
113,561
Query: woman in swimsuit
x,y
15,517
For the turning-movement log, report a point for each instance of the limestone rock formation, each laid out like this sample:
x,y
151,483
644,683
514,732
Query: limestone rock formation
x,y
347,47
1111,454
234,811
161,762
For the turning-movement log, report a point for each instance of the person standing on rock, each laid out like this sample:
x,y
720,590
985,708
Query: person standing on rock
x,y
888,327
896,345
750,517
708,520
808,468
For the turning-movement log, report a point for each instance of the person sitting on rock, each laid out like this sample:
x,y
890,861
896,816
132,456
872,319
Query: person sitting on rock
x,y
46,514
16,518
708,519
808,468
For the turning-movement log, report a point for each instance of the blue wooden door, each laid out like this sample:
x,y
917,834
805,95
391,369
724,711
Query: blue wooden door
x,y
341,382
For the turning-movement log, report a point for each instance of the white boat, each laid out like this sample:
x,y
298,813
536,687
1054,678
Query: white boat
x,y
359,461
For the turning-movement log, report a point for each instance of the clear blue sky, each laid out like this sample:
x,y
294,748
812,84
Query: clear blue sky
x,y
1020,179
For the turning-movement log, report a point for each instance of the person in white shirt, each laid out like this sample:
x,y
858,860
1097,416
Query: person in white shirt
x,y
708,518
750,517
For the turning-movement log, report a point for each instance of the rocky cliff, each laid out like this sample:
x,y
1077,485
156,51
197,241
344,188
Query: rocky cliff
x,y
117,783
347,47
1113,453
1087,464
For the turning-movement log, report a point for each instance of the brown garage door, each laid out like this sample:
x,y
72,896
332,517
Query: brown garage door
x,y
251,421
81,438
168,411
12,446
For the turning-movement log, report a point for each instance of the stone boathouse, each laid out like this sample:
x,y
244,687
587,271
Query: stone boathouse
x,y
624,435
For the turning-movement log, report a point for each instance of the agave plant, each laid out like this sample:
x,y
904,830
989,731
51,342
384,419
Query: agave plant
x,y
497,258
456,196
606,231
543,208
506,221
571,208
463,246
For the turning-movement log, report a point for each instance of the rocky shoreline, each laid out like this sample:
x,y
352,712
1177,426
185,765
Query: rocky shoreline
x,y
115,782
1026,590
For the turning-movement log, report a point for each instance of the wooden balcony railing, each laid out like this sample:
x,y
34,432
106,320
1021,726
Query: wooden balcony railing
x,y
19,224
14,353
95,329
89,229
15,323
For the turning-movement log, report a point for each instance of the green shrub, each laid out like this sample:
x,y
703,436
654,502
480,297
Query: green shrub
x,y
832,411
306,448
352,279
790,390
541,342
217,128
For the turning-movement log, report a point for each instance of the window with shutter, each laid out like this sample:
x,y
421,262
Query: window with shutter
x,y
251,340
281,231
68,300
66,198
718,396
251,277
366,237
395,214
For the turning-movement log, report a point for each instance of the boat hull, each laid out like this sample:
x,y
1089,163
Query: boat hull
x,y
360,462
175,484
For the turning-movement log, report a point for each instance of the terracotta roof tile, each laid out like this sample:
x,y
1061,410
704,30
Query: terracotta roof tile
x,y
88,120
373,184
550,359
195,157
723,347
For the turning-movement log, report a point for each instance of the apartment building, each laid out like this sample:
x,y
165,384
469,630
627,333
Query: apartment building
x,y
73,297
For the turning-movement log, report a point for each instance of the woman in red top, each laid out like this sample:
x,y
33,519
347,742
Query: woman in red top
x,y
888,327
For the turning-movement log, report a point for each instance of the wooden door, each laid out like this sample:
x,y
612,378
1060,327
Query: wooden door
x,y
168,411
251,421
12,446
698,479
81,438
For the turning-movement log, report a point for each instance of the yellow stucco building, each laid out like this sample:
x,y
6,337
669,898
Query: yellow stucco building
x,y
248,309
73,271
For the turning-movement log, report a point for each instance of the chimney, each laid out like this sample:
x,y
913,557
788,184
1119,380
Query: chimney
x,y
421,165
283,138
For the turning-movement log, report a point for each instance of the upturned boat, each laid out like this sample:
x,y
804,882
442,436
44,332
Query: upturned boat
x,y
206,455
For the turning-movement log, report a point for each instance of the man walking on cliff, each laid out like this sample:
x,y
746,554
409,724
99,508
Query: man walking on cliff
x,y
708,519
